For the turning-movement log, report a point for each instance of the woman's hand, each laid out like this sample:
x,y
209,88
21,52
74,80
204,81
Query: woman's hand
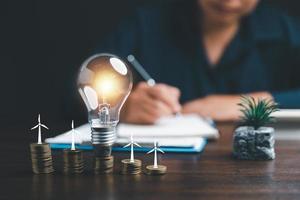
x,y
220,107
146,104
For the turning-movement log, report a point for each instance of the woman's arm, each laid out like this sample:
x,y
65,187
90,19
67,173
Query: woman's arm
x,y
220,107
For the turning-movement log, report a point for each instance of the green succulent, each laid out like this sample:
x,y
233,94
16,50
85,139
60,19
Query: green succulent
x,y
257,113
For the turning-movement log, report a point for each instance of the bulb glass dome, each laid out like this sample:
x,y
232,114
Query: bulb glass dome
x,y
104,83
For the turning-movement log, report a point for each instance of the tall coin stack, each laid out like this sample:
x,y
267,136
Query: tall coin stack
x,y
128,167
73,161
103,165
41,158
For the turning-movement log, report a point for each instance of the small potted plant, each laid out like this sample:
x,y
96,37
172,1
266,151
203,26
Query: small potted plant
x,y
252,140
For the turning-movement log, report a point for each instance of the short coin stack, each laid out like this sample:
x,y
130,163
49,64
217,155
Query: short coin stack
x,y
41,158
103,165
159,170
73,161
128,167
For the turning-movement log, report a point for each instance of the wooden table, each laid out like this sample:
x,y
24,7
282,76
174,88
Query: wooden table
x,y
214,174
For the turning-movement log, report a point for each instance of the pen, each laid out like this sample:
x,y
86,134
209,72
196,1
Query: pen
x,y
140,69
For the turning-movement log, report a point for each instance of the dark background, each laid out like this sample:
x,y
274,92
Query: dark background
x,y
43,43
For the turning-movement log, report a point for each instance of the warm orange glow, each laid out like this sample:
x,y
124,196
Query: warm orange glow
x,y
107,86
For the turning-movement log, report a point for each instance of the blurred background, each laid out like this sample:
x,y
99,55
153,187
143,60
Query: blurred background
x,y
44,42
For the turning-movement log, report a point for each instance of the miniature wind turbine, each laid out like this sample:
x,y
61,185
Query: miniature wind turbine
x,y
131,144
39,126
131,166
155,149
73,131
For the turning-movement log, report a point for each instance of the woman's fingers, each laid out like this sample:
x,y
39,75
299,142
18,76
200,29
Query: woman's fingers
x,y
144,107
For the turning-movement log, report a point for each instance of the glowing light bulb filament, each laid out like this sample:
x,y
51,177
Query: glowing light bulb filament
x,y
106,87
104,113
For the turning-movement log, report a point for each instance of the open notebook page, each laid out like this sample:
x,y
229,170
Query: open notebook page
x,y
182,131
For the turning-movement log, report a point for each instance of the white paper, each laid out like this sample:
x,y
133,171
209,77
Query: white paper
x,y
287,114
179,126
181,131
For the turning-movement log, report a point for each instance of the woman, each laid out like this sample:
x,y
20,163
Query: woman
x,y
206,53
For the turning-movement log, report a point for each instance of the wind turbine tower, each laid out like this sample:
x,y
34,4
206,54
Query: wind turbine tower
x,y
39,126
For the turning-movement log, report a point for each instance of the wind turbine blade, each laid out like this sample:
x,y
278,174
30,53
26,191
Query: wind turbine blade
x,y
136,144
76,131
150,151
127,145
44,126
34,127
72,125
39,118
158,149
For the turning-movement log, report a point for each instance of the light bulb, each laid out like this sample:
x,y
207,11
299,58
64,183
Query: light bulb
x,y
104,83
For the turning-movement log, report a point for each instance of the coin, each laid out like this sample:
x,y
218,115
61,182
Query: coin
x,y
128,167
44,147
40,156
159,170
48,171
103,165
104,158
103,150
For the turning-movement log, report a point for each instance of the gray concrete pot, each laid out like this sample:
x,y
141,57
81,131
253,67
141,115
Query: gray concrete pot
x,y
251,144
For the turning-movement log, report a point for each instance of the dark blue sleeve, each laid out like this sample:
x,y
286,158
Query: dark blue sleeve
x,y
123,40
287,99
291,98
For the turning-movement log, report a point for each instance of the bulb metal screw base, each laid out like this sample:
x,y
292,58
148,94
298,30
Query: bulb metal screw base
x,y
102,140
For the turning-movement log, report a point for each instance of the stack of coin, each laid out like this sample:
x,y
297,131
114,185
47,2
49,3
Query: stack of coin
x,y
103,165
128,167
41,158
159,170
73,161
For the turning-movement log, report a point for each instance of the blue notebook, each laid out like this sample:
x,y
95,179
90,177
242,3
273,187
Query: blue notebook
x,y
194,149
